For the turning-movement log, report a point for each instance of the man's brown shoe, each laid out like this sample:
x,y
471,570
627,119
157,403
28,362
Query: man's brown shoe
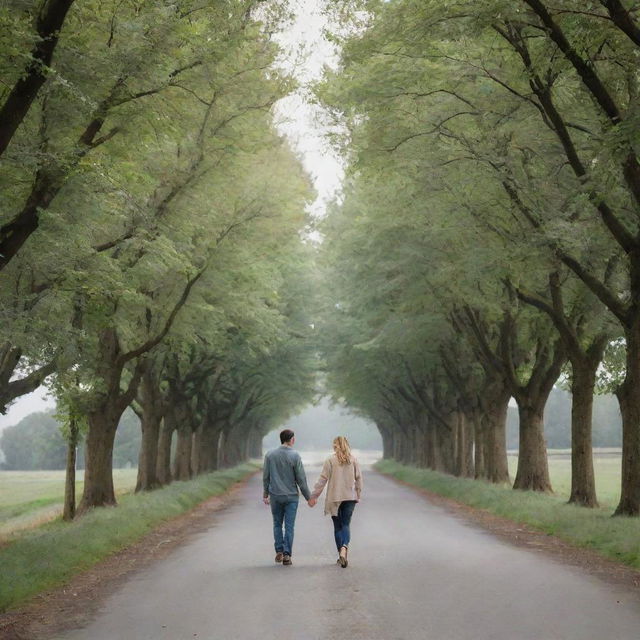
x,y
286,559
279,556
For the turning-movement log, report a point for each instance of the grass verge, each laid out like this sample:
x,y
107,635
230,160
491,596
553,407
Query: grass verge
x,y
17,510
50,555
617,538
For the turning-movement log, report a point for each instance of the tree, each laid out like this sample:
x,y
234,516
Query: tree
x,y
453,77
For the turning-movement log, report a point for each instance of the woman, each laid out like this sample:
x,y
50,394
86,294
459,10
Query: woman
x,y
341,474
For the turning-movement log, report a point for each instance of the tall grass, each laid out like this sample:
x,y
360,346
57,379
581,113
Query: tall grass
x,y
617,538
50,555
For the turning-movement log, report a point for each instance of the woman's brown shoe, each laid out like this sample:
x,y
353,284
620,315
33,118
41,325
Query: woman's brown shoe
x,y
343,557
279,556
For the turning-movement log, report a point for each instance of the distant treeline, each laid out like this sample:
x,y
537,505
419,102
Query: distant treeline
x,y
36,443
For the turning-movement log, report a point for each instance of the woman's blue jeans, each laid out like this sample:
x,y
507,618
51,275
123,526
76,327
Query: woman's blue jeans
x,y
283,509
341,523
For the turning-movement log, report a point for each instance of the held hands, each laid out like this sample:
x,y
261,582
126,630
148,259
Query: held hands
x,y
312,502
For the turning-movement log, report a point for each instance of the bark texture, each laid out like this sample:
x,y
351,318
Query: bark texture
x,y
533,468
69,509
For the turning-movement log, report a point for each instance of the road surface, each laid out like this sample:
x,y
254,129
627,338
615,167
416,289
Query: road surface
x,y
415,572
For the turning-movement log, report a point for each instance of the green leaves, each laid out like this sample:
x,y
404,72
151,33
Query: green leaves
x,y
477,162
151,156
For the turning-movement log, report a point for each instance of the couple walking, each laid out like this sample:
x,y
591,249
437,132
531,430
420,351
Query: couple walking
x,y
284,473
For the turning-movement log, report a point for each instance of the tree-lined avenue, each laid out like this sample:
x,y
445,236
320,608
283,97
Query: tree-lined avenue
x,y
416,573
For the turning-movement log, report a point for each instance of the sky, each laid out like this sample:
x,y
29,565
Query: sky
x,y
305,53
36,401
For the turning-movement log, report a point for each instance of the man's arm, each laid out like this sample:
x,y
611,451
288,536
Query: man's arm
x,y
266,476
301,478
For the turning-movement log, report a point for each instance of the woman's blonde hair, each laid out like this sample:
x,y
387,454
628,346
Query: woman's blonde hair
x,y
342,449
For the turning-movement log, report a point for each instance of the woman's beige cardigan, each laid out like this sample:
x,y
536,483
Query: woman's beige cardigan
x,y
344,482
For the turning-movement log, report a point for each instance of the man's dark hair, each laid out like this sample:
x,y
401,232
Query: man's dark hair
x,y
286,435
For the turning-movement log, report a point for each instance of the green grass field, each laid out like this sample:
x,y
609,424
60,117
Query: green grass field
x,y
29,498
607,472
19,487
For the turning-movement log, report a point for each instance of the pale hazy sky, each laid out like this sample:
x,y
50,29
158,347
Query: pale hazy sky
x,y
306,52
25,405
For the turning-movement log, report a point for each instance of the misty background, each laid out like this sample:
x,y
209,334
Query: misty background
x,y
30,437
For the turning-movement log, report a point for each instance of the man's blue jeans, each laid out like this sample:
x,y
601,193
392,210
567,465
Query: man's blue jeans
x,y
283,509
342,522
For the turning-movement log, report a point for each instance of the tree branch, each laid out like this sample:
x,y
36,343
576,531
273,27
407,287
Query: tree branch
x,y
622,19
152,342
29,383
49,22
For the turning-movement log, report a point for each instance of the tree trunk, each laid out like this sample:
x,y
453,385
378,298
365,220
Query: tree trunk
x,y
182,461
150,425
197,460
407,445
429,443
438,442
98,471
533,467
233,451
629,399
446,443
412,442
404,446
466,450
147,460
103,419
222,449
257,449
210,442
479,445
495,433
418,443
69,510
397,445
583,487
254,445
163,463
387,442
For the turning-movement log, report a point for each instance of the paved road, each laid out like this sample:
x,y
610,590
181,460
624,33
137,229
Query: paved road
x,y
415,572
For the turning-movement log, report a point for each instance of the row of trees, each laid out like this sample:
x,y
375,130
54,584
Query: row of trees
x,y
150,230
488,241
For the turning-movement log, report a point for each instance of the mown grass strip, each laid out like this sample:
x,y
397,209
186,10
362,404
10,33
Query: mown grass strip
x,y
17,510
617,538
53,553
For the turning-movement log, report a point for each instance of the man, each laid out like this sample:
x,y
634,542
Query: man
x,y
283,474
